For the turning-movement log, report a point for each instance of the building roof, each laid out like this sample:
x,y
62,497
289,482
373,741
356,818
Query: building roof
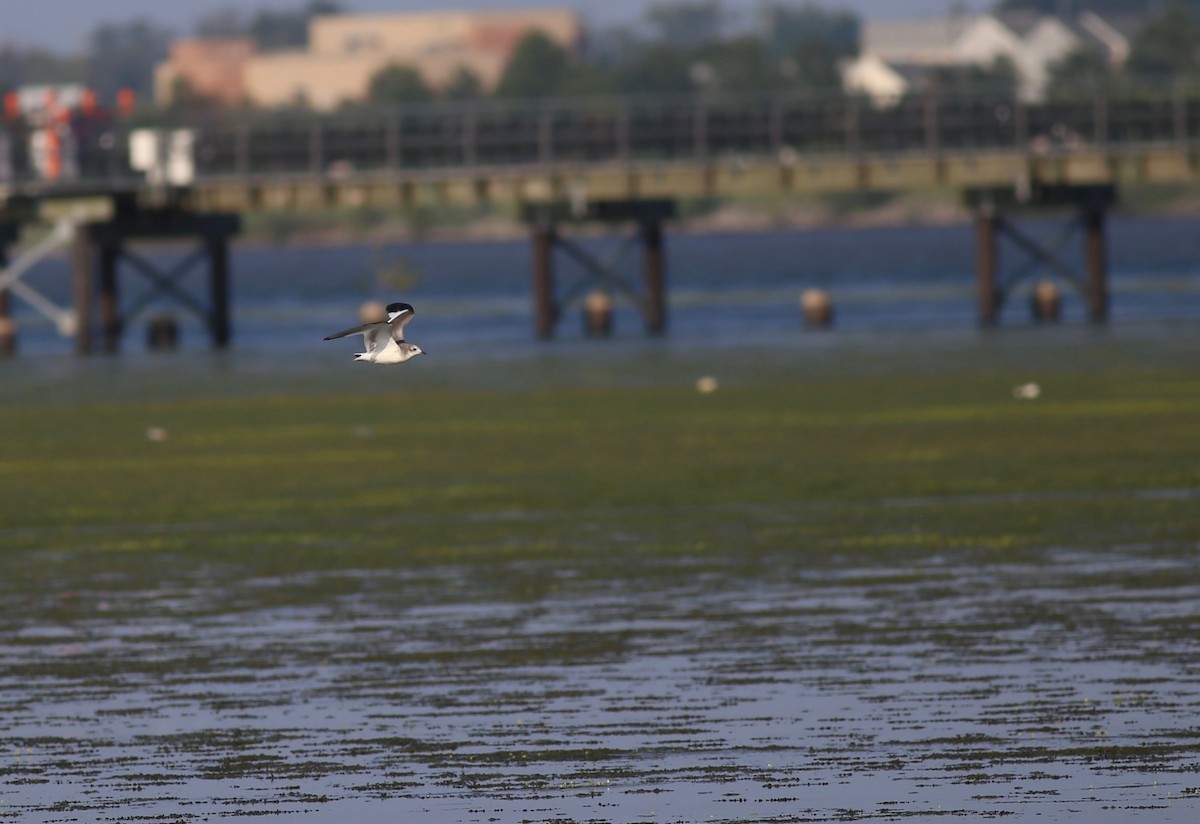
x,y
929,40
1022,22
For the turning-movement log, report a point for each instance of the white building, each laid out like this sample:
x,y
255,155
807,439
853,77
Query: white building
x,y
893,51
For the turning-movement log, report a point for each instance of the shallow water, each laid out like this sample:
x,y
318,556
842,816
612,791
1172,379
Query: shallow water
x,y
729,289
606,683
677,665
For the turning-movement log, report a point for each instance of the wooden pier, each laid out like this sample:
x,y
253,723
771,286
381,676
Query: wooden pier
x,y
102,246
546,221
619,162
994,208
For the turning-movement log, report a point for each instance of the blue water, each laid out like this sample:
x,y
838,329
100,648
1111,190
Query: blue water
x,y
724,289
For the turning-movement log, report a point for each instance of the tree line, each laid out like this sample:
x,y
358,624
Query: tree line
x,y
678,47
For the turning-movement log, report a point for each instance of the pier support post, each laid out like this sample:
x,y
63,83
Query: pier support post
x,y
8,330
5,308
1090,204
601,273
218,259
656,276
103,245
81,276
544,311
986,264
110,313
1096,260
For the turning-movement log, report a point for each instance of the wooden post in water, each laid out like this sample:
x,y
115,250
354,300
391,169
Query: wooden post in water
x,y
8,330
656,277
81,264
218,261
986,262
544,311
1096,259
110,313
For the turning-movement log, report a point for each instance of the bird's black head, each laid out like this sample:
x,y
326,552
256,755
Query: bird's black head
x,y
393,308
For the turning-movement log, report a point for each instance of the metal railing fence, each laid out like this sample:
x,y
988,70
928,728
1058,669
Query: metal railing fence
x,y
365,141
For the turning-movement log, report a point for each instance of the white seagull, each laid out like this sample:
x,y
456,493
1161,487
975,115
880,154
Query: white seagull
x,y
385,339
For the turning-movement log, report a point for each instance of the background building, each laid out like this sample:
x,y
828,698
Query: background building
x,y
894,52
213,68
346,51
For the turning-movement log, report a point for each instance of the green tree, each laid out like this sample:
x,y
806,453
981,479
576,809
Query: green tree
x,y
124,56
583,79
20,66
813,64
537,66
738,65
657,69
185,98
271,29
686,23
395,84
288,29
786,31
1083,71
1001,77
464,85
1166,47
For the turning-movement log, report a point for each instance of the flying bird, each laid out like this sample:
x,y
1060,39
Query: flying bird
x,y
385,339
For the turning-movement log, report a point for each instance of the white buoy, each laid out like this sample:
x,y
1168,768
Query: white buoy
x,y
706,385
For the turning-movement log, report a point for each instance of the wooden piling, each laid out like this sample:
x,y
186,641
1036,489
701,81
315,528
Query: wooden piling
x,y
218,261
986,264
8,329
544,310
656,277
1096,260
81,275
110,312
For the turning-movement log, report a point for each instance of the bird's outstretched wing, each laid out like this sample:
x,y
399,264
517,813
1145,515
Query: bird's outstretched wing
x,y
399,314
371,332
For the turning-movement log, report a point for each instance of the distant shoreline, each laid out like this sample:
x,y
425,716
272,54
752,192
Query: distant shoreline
x,y
939,208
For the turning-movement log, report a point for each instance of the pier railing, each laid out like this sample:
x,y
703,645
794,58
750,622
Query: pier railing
x,y
367,141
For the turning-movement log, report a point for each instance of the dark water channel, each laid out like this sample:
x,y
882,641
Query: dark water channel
x,y
604,686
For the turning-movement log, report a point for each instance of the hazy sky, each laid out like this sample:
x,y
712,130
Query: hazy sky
x,y
64,24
